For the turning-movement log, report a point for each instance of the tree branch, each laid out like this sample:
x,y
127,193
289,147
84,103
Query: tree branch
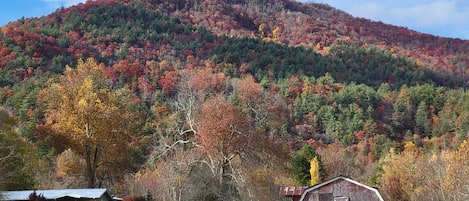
x,y
10,154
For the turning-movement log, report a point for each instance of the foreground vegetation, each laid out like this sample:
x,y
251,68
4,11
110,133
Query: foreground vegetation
x,y
152,104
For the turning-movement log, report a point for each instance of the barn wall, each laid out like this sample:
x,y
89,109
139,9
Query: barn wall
x,y
341,188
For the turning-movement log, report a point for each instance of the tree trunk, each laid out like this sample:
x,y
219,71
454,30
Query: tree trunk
x,y
89,163
89,168
227,183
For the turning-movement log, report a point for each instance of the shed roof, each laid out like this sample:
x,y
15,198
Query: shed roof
x,y
291,191
91,193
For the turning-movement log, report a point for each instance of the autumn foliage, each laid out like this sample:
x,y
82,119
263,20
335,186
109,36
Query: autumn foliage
x,y
214,100
92,118
224,129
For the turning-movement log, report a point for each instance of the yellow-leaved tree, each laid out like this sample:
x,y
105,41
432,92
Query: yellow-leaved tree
x,y
456,173
314,171
94,118
404,176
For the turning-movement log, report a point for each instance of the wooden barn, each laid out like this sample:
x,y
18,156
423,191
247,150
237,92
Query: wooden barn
x,y
341,189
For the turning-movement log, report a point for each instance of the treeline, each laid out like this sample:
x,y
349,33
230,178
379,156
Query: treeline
x,y
359,131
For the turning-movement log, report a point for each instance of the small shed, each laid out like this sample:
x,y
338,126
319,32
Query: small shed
x,y
98,194
293,192
341,189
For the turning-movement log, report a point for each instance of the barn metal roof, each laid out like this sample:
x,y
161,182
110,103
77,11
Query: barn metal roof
x,y
54,194
343,178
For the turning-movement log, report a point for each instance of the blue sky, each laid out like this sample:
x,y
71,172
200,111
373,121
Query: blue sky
x,y
449,18
11,10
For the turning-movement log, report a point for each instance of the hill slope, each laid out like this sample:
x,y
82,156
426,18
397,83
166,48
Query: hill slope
x,y
110,32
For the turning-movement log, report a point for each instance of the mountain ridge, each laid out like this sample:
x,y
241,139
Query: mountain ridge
x,y
310,25
64,31
316,26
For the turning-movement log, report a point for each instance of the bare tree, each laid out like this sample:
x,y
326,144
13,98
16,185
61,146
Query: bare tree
x,y
14,166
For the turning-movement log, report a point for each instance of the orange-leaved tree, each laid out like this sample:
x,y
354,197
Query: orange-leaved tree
x,y
94,118
224,133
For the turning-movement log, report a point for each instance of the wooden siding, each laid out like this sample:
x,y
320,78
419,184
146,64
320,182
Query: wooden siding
x,y
341,189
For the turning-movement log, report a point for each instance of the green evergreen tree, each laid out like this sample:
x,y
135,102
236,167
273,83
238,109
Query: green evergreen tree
x,y
301,165
422,124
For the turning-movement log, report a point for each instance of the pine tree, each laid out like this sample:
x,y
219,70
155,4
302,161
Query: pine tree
x,y
303,165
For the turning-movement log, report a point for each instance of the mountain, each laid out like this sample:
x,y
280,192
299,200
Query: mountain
x,y
273,75
70,33
315,26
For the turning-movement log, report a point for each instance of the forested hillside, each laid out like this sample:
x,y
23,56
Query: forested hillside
x,y
229,100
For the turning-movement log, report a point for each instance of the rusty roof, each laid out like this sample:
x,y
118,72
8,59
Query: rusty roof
x,y
291,191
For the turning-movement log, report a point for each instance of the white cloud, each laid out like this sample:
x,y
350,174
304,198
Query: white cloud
x,y
436,13
64,3
439,17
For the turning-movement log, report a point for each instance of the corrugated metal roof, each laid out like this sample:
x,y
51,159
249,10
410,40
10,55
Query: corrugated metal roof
x,y
317,186
92,193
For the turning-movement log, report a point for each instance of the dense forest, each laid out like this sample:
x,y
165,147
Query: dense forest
x,y
230,100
